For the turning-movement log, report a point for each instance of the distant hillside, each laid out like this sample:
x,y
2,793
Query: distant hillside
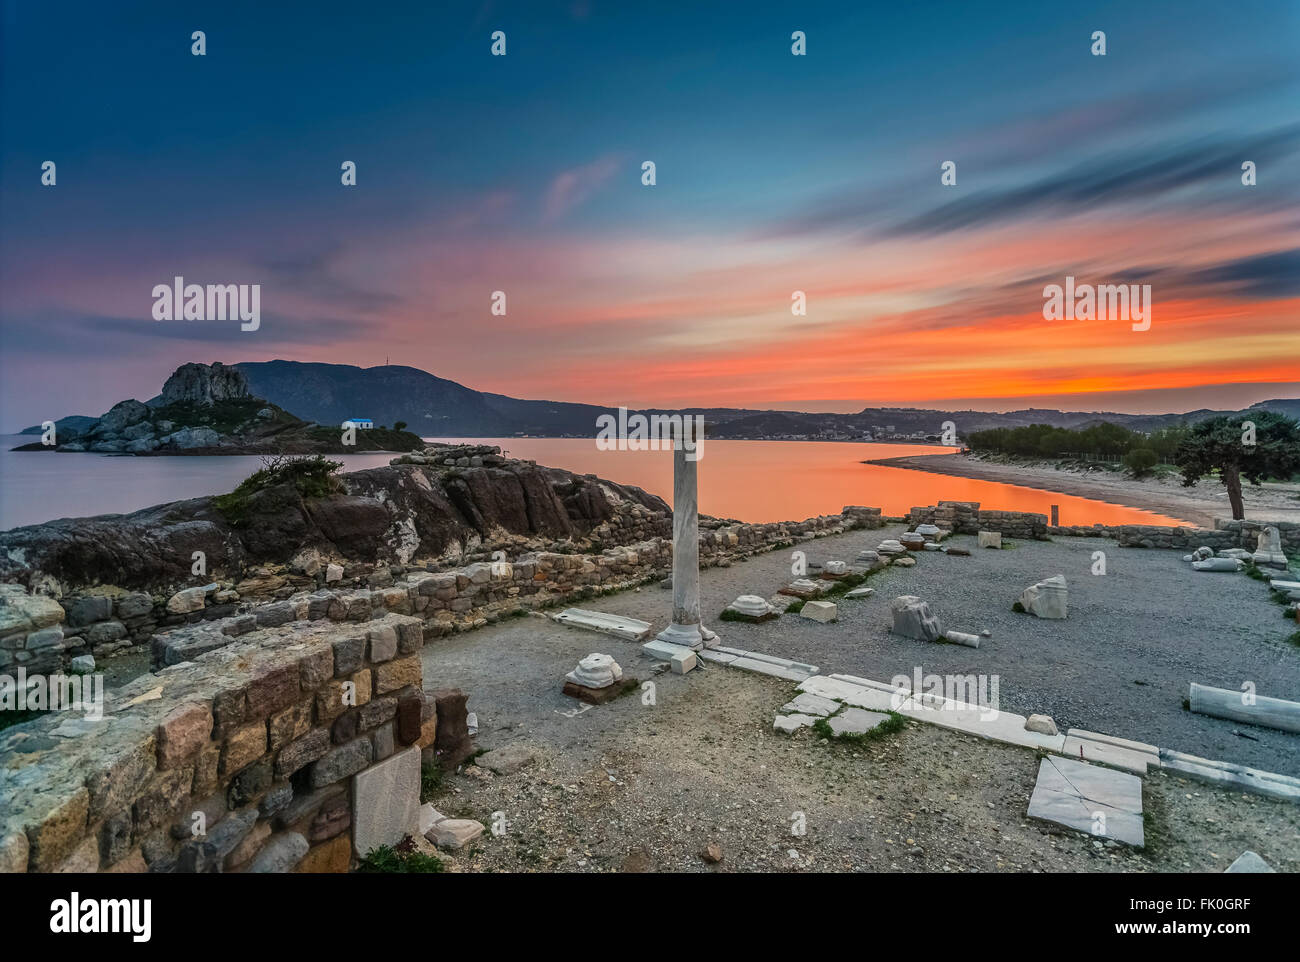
x,y
208,409
433,406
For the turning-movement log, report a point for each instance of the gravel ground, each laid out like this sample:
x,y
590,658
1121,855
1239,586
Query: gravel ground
x,y
1120,664
634,787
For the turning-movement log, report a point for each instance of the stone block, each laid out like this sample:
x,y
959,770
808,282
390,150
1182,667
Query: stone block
x,y
182,733
383,643
387,801
302,751
820,611
683,661
1087,798
341,762
281,854
990,539
333,857
349,655
398,674
454,833
244,746
292,723
507,760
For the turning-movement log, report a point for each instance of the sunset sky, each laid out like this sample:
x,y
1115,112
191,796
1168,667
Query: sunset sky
x,y
775,173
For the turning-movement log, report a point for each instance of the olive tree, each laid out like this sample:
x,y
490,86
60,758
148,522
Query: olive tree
x,y
1223,444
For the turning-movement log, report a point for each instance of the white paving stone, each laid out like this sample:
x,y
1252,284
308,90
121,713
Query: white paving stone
x,y
792,723
629,629
1088,798
1249,861
1106,754
856,721
811,704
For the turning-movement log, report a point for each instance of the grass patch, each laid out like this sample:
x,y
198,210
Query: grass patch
x,y
224,417
431,782
1294,638
401,858
1018,608
729,614
846,584
1252,571
892,725
795,607
312,476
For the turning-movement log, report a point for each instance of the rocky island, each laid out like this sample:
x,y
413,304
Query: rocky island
x,y
209,409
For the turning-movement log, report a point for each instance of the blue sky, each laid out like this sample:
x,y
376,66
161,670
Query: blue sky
x,y
522,173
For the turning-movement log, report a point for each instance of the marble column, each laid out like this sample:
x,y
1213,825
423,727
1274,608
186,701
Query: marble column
x,y
685,628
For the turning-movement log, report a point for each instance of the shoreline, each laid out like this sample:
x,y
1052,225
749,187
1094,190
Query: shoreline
x,y
1198,505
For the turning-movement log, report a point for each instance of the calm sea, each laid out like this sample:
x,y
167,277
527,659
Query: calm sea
x,y
752,481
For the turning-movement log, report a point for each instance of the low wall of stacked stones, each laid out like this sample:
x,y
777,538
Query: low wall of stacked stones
x,y
1225,534
271,754
47,634
965,517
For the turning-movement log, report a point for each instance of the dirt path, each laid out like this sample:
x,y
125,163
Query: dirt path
x,y
627,787
1198,505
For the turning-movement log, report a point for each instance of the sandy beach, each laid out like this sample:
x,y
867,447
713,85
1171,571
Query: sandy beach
x,y
1198,505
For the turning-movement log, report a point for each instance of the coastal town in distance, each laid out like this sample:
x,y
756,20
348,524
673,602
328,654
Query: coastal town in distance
x,y
724,443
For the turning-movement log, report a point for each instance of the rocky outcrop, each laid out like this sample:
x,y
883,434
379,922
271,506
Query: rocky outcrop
x,y
208,409
401,513
204,384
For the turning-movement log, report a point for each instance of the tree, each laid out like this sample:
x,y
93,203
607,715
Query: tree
x,y
1222,444
399,425
1140,461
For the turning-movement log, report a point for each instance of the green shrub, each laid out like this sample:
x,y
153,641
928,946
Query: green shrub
x,y
401,858
1140,461
312,476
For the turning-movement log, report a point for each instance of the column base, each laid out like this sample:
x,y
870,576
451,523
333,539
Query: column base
x,y
691,636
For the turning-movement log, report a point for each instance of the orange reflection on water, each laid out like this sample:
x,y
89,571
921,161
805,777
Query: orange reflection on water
x,y
762,481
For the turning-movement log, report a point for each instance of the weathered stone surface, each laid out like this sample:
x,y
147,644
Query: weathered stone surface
x,y
208,853
1249,861
507,760
1041,723
333,856
341,762
184,731
596,670
84,858
300,752
383,643
810,704
793,722
912,619
188,599
387,801
349,655
1089,798
1046,599
88,609
683,661
409,711
855,721
244,746
454,833
281,854
820,611
397,674
23,613
249,785
285,726
13,853
990,539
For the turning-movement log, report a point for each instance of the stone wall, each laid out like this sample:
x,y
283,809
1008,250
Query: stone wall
x,y
293,748
1225,534
965,517
107,620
